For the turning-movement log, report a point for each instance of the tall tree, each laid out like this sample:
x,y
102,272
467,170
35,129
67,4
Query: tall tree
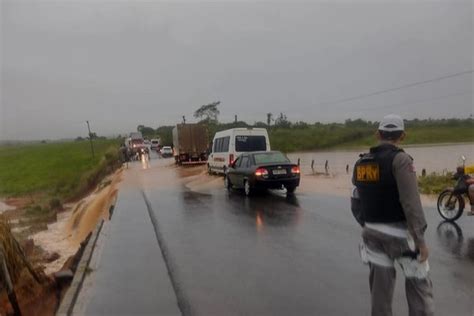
x,y
282,121
208,112
146,131
269,118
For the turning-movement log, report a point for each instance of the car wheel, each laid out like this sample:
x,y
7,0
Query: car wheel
x,y
247,189
290,189
227,183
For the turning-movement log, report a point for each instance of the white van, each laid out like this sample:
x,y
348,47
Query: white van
x,y
229,144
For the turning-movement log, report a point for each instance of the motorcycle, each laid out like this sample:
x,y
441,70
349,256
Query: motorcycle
x,y
451,201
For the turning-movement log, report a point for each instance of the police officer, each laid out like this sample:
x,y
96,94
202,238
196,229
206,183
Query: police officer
x,y
394,222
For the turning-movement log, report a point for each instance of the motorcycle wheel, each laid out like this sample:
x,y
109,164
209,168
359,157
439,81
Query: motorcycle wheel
x,y
454,209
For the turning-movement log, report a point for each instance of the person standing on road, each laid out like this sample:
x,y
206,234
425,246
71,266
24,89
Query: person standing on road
x,y
394,222
124,157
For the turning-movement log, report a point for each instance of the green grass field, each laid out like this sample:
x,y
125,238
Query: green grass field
x,y
59,169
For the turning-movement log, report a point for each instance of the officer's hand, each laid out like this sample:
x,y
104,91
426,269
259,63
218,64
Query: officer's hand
x,y
424,253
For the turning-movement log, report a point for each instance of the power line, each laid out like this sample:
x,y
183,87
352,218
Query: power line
x,y
409,85
419,101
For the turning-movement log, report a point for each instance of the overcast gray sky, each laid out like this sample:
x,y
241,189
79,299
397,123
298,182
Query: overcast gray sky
x,y
123,63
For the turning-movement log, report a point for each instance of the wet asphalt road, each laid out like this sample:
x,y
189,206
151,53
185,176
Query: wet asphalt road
x,y
226,254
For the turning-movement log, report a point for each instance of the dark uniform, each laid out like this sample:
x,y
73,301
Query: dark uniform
x,y
393,222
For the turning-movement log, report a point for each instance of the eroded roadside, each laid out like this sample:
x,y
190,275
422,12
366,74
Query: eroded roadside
x,y
52,243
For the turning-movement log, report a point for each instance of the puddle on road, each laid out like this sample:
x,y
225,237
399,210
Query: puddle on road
x,y
451,237
145,162
163,173
340,184
204,183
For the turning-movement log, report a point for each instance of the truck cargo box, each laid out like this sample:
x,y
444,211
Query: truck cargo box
x,y
190,142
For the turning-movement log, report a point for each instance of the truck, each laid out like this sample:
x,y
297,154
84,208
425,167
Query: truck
x,y
135,142
190,143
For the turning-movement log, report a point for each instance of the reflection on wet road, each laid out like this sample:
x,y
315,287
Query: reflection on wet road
x,y
451,237
273,255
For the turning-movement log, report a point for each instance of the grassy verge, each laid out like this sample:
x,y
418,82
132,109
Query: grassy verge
x,y
434,183
62,170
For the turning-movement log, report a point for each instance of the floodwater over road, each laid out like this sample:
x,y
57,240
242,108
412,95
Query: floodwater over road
x,y
179,243
438,158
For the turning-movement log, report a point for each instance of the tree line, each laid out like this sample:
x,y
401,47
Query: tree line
x,y
287,135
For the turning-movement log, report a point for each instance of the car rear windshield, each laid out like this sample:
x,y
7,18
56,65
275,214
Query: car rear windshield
x,y
270,157
250,143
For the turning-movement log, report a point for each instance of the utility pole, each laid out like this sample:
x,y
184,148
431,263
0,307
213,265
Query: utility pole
x,y
90,139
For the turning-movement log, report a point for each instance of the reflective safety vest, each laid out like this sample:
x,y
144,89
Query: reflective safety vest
x,y
377,187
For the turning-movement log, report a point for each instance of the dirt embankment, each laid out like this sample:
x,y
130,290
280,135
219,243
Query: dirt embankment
x,y
55,248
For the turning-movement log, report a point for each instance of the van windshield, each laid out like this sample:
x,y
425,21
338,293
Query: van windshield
x,y
270,157
250,143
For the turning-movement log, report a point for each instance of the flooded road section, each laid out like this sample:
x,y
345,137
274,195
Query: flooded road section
x,y
180,244
447,157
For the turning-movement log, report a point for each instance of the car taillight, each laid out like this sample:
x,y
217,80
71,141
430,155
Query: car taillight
x,y
261,172
231,159
295,170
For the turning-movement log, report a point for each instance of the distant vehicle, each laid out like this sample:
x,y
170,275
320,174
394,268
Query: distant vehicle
x,y
135,142
136,135
262,170
228,144
166,152
190,142
155,143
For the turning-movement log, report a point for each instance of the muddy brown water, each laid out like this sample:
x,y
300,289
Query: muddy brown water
x,y
433,158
